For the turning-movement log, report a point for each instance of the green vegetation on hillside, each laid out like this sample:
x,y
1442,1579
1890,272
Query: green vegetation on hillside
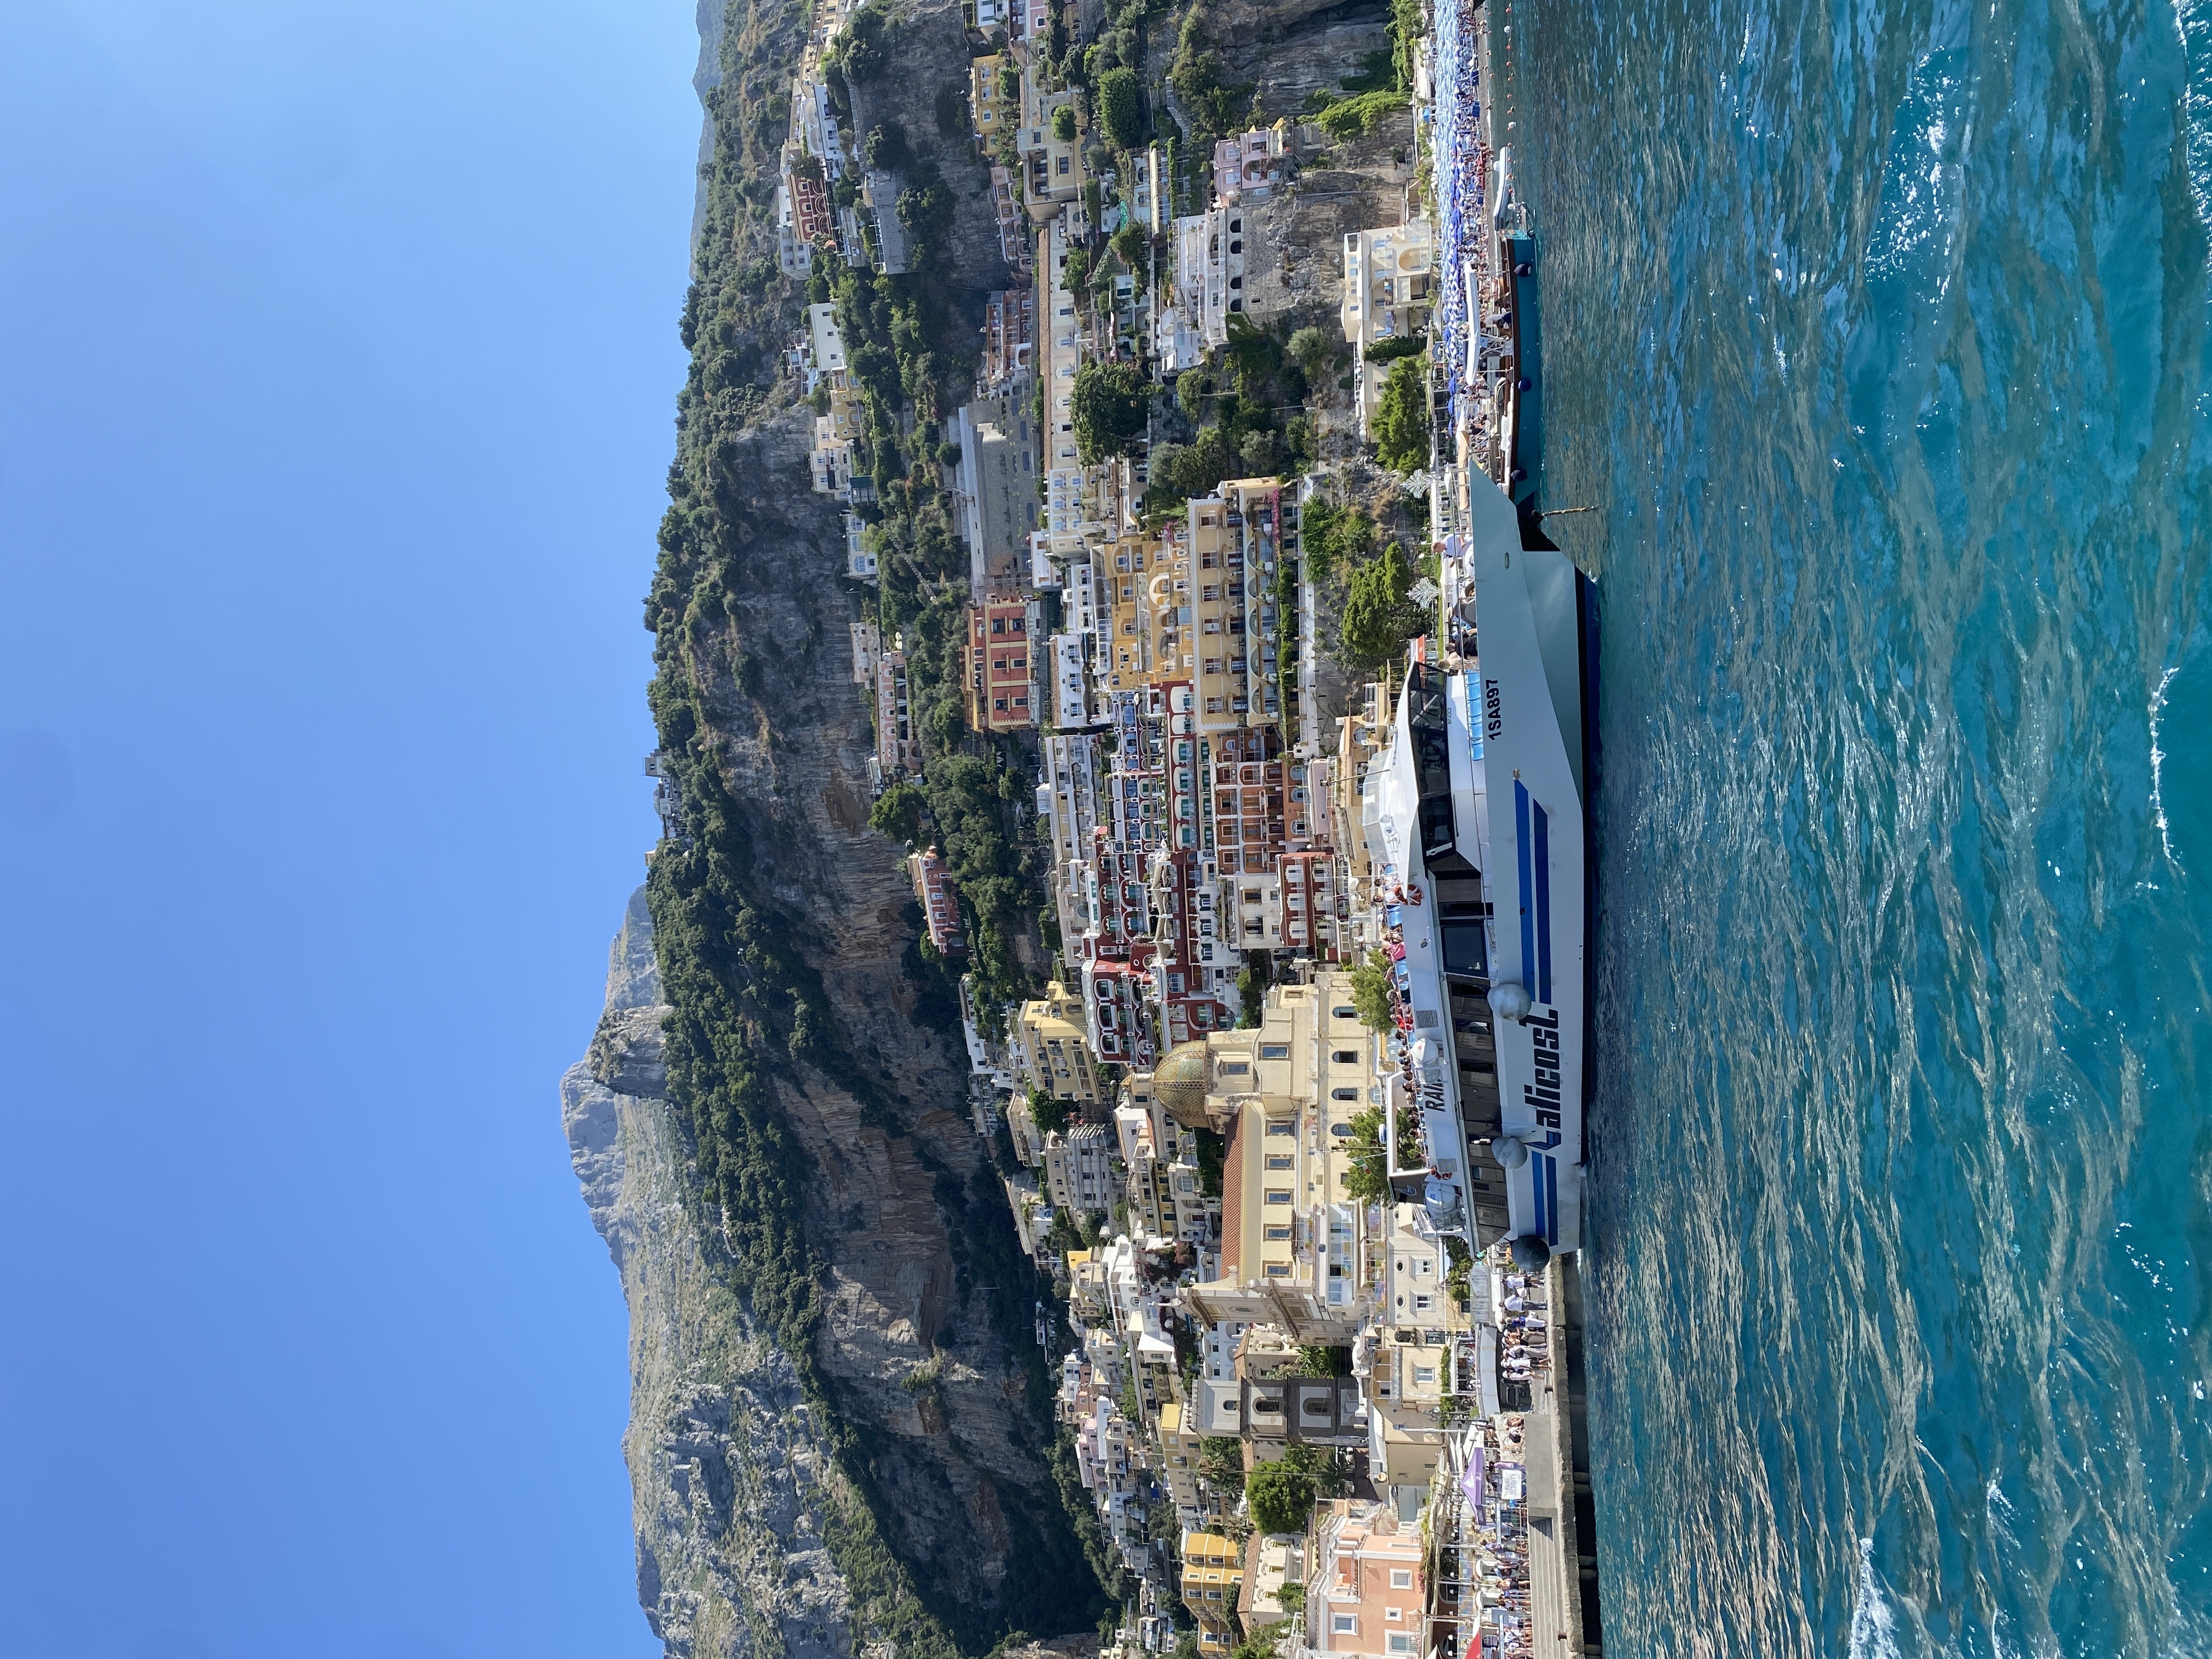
x,y
1333,537
1361,114
1240,411
1108,405
1378,617
750,1013
1195,74
1121,109
1401,421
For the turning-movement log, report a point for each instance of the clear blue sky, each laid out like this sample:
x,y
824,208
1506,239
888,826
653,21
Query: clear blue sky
x,y
337,365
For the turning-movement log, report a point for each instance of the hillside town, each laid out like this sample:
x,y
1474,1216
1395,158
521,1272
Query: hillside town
x,y
1313,1414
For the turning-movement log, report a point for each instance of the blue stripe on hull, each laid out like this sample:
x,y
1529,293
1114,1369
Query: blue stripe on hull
x,y
1543,855
1551,1198
1544,1226
1521,848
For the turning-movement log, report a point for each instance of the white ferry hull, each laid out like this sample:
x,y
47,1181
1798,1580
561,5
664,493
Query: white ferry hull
x,y
1533,616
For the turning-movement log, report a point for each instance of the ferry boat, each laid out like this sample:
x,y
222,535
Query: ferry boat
x,y
1478,814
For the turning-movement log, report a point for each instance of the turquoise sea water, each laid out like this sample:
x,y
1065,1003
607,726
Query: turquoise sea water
x,y
1880,334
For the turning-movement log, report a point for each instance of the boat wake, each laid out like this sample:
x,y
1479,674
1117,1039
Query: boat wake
x,y
2157,765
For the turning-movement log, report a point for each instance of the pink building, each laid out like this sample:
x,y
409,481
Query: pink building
x,y
1191,964
1114,999
1247,167
1248,801
940,911
1364,1595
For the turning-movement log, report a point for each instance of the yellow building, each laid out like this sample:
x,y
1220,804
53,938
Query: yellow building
x,y
1180,1451
1137,579
1051,1052
1055,173
988,108
1284,1093
1212,1577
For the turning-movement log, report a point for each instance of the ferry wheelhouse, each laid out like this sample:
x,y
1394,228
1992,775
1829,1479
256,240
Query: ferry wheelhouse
x,y
1477,816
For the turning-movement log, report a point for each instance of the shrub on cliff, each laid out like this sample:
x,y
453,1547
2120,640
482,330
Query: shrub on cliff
x,y
1108,406
1121,109
864,51
897,813
1333,537
1356,117
1378,618
1401,421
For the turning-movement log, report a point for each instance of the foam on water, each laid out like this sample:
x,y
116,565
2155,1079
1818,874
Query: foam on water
x,y
1883,332
1874,1627
2158,767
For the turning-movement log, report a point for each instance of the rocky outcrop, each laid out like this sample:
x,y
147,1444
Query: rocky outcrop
x,y
732,1475
902,1204
931,57
887,1486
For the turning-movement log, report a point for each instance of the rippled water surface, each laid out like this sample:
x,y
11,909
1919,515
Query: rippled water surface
x,y
1879,333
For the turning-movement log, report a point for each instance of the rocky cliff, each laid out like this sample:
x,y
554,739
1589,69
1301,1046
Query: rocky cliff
x,y
842,1438
731,1473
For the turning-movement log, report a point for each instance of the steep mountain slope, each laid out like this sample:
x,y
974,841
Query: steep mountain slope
x,y
841,1431
733,1477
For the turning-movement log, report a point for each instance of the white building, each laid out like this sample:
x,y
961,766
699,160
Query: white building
x,y
1389,287
794,257
859,563
1209,271
825,347
1080,1169
1060,334
830,463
